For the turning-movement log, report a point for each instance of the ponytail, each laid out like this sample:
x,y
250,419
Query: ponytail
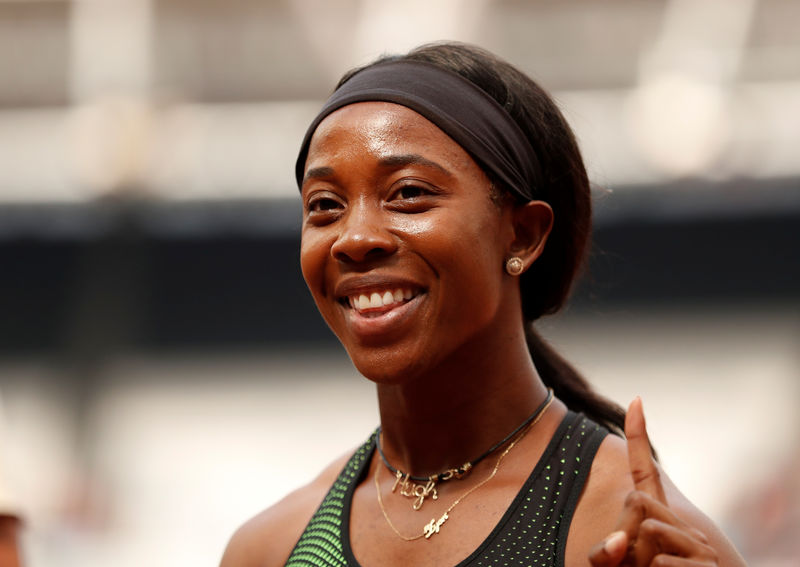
x,y
569,386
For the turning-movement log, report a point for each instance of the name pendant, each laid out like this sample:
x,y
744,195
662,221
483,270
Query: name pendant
x,y
434,526
419,492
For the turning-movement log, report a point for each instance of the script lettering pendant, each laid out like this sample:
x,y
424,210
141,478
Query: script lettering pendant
x,y
434,526
400,480
419,492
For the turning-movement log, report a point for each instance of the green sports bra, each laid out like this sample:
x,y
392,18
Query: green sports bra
x,y
532,532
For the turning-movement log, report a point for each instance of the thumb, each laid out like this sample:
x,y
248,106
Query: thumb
x,y
610,552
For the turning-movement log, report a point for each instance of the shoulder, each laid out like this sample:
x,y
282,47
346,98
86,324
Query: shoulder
x,y
608,486
267,539
602,499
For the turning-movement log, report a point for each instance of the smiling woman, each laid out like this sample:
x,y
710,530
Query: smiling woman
x,y
446,208
383,221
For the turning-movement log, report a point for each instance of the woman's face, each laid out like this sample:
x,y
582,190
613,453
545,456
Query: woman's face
x,y
402,246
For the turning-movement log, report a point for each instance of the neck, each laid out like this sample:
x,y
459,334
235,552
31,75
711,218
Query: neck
x,y
455,412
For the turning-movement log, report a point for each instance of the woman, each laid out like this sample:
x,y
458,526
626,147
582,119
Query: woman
x,y
446,207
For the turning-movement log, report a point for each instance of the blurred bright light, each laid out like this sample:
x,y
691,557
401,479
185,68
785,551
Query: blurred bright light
x,y
111,141
680,125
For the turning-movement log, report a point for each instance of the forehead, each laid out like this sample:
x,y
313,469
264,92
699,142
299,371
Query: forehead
x,y
383,128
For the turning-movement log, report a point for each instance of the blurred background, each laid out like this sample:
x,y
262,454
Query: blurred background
x,y
164,374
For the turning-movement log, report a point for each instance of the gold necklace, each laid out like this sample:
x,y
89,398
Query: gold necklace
x,y
420,487
435,525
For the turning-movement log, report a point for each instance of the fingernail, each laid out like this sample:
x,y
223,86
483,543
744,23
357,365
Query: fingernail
x,y
615,543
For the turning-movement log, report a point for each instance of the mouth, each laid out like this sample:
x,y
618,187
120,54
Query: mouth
x,y
376,302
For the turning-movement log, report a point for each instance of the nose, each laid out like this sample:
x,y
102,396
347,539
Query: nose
x,y
364,236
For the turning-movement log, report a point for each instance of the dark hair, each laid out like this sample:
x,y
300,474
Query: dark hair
x,y
565,187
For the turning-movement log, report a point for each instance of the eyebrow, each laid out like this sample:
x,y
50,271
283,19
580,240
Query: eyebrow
x,y
388,161
318,173
412,159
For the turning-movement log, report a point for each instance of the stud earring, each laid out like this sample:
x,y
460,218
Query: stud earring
x,y
514,266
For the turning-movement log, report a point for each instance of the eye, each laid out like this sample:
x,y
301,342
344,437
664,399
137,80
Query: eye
x,y
323,204
413,196
410,192
323,207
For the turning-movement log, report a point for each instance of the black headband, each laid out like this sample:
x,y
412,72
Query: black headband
x,y
461,109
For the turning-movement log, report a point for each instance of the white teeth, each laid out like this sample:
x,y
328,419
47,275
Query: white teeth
x,y
376,300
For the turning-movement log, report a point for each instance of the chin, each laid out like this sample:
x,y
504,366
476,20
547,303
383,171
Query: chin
x,y
386,367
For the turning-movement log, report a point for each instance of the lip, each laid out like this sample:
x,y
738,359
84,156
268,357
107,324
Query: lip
x,y
372,326
372,282
375,326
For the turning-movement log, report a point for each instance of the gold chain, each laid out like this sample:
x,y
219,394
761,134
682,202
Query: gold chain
x,y
435,525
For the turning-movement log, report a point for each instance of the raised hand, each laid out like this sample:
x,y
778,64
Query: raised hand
x,y
648,532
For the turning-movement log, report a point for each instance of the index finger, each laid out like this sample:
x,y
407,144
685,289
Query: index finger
x,y
644,471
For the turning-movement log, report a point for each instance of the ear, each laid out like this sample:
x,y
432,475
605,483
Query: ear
x,y
532,223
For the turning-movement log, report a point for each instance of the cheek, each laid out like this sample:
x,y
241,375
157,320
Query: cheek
x,y
476,261
465,250
313,253
417,226
477,241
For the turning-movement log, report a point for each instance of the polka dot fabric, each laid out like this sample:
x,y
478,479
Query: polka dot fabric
x,y
532,532
321,544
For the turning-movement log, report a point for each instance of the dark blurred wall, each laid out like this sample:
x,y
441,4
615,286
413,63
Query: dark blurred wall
x,y
92,280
